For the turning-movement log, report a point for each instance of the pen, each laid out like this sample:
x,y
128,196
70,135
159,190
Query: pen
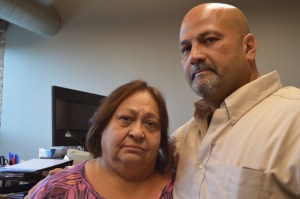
x,y
13,158
9,158
17,159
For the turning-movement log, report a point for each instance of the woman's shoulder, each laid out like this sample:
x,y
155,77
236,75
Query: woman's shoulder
x,y
172,180
61,182
71,173
167,192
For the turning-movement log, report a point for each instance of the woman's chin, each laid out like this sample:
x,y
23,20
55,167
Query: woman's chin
x,y
132,158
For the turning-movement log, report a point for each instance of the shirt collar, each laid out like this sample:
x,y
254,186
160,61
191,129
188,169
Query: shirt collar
x,y
243,99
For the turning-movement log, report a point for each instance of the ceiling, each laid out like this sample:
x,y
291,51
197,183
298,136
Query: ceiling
x,y
113,10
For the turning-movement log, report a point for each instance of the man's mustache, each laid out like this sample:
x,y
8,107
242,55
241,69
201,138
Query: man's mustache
x,y
202,67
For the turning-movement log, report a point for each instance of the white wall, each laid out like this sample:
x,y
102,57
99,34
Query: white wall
x,y
92,55
276,25
86,55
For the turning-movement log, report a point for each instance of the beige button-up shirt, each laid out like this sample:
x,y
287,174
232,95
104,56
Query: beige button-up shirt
x,y
251,149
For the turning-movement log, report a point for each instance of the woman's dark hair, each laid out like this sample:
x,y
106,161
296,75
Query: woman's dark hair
x,y
108,107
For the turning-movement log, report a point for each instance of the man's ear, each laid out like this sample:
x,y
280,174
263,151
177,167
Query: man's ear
x,y
249,45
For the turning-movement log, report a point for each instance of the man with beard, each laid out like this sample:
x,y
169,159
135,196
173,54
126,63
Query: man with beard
x,y
244,139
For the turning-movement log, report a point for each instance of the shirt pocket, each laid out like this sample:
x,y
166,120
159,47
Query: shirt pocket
x,y
229,182
248,184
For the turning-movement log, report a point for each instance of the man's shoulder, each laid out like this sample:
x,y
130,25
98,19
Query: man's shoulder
x,y
288,92
183,131
181,134
183,128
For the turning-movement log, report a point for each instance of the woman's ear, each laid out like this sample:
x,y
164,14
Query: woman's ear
x,y
249,45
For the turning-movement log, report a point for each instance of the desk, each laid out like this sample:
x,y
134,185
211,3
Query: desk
x,y
21,177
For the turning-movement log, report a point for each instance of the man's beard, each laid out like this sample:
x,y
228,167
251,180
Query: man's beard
x,y
207,88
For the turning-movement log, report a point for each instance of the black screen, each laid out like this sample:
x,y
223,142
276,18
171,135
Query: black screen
x,y
71,112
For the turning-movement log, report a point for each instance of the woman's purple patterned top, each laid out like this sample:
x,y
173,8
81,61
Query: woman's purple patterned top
x,y
72,183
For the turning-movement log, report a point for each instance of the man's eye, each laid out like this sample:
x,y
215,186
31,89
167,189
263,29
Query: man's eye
x,y
185,50
210,40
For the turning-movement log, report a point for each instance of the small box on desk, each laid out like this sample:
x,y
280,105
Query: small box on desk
x,y
55,152
52,152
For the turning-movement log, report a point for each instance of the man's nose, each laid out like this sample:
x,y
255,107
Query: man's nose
x,y
197,54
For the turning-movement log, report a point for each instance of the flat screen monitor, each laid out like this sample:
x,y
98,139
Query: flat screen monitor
x,y
71,112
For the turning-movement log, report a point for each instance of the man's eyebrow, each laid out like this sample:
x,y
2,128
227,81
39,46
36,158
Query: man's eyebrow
x,y
199,36
183,43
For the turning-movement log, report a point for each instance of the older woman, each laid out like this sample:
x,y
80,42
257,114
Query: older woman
x,y
129,137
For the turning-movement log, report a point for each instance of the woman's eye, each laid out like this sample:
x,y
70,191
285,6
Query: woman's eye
x,y
125,118
153,125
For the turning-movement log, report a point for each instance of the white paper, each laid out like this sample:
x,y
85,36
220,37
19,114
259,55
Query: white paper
x,y
34,165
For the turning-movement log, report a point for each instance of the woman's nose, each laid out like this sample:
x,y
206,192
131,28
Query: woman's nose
x,y
136,132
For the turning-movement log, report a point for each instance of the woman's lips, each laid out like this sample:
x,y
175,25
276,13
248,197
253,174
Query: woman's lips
x,y
134,148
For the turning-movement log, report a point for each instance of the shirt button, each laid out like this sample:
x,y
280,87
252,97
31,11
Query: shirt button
x,y
233,118
201,166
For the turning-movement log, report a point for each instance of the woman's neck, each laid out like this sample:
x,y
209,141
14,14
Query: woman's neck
x,y
112,183
130,172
